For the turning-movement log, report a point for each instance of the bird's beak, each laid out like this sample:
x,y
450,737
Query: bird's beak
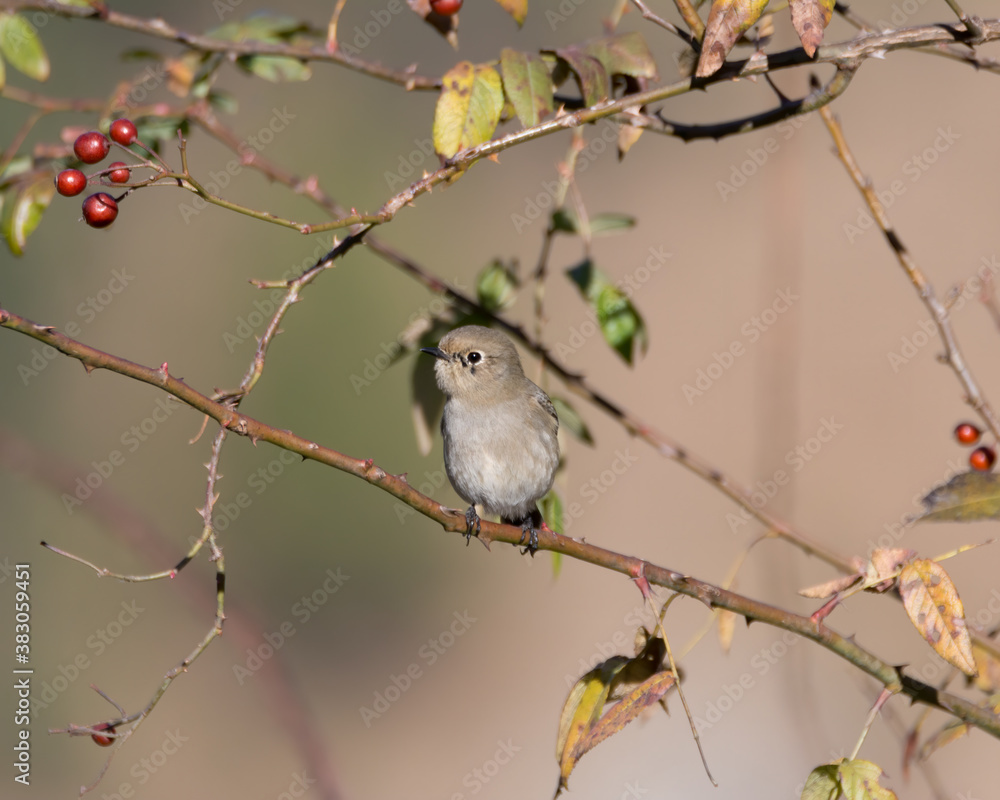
x,y
437,352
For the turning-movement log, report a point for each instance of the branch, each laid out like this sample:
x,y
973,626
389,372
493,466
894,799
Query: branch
x,y
157,28
891,677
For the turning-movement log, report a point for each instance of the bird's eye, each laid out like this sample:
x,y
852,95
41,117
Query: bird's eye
x,y
474,357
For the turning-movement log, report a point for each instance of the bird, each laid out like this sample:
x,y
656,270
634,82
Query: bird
x,y
501,448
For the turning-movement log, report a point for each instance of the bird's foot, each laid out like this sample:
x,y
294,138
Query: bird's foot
x,y
527,531
472,524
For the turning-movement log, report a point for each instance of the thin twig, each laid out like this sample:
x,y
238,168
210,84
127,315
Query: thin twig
x,y
952,352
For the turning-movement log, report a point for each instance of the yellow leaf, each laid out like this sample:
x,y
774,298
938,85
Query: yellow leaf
x,y
581,710
468,109
518,9
935,609
859,780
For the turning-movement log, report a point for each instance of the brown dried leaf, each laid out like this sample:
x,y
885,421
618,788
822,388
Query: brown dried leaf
x,y
810,18
935,609
831,587
888,561
727,21
625,710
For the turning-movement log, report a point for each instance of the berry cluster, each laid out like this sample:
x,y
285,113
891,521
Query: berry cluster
x,y
984,456
100,209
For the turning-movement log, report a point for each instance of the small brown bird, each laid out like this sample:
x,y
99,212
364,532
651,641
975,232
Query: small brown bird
x,y
499,428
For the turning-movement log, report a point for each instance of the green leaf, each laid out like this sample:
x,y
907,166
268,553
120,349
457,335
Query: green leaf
x,y
518,9
21,46
528,85
223,101
276,69
565,220
620,322
260,27
552,510
968,497
605,224
468,109
496,287
570,420
823,783
22,211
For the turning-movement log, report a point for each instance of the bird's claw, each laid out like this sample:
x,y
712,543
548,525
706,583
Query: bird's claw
x,y
532,534
473,524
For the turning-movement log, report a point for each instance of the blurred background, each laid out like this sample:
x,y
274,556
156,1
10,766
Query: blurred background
x,y
418,666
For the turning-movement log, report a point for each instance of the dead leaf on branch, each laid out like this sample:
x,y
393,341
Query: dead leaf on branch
x,y
727,22
637,683
810,18
935,609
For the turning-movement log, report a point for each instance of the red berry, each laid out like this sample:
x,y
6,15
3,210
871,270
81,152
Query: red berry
x,y
100,738
967,433
70,182
446,7
982,459
123,131
100,210
121,174
91,147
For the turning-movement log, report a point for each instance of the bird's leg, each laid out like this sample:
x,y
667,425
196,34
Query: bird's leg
x,y
472,524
